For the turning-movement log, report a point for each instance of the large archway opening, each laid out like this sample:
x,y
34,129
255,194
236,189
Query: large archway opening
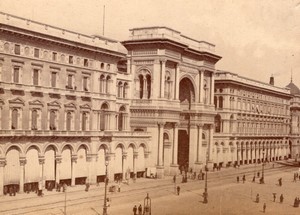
x,y
186,92
183,149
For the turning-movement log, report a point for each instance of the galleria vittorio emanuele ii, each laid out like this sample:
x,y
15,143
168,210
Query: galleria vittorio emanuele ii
x,y
152,105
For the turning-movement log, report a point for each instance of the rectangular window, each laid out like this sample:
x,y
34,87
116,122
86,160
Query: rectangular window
x,y
36,53
70,59
53,79
54,56
85,83
35,77
70,80
16,75
86,62
17,49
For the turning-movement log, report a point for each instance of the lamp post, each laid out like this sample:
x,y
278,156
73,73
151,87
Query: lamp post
x,y
105,192
205,194
263,168
147,205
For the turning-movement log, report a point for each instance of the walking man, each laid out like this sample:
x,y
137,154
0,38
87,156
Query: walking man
x,y
257,198
253,180
244,178
264,207
134,210
178,190
237,179
281,198
140,209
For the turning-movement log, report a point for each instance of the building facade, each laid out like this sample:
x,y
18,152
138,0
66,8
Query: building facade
x,y
252,122
64,108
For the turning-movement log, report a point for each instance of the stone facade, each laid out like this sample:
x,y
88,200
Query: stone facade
x,y
252,121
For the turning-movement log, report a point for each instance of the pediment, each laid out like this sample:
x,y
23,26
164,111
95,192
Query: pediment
x,y
17,101
70,105
36,102
54,103
85,106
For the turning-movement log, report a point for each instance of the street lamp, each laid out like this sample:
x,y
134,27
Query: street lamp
x,y
147,205
205,194
263,168
105,192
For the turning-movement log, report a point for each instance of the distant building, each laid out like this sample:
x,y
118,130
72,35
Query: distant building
x,y
252,122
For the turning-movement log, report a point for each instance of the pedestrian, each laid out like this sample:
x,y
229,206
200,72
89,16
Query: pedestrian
x,y
253,180
134,210
244,178
281,198
174,179
296,204
257,198
264,207
274,197
258,173
119,187
178,190
140,209
280,182
237,179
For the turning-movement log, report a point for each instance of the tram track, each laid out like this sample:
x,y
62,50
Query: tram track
x,y
167,185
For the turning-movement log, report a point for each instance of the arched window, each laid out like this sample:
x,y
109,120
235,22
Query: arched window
x,y
125,90
221,102
148,77
104,109
14,119
121,119
215,101
69,120
120,86
218,124
141,81
52,120
84,121
102,84
231,124
34,117
203,136
107,84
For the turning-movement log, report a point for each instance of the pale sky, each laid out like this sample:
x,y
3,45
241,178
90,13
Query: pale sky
x,y
256,38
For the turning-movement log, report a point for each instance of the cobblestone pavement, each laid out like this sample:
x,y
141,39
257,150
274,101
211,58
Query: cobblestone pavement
x,y
226,196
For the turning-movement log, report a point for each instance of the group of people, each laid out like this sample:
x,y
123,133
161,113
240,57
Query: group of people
x,y
243,178
137,210
296,175
296,202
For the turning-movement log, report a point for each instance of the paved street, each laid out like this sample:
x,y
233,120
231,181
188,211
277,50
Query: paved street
x,y
226,196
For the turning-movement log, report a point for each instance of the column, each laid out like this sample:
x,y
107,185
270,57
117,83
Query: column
x,y
199,143
73,164
176,87
124,164
212,89
193,135
110,170
90,158
22,173
201,86
174,164
42,162
160,167
128,66
58,162
2,164
162,78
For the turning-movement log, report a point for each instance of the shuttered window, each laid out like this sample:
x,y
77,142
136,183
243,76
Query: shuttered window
x,y
35,77
14,119
16,74
53,79
34,118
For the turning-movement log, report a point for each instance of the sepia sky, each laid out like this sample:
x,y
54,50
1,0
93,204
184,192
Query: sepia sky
x,y
256,38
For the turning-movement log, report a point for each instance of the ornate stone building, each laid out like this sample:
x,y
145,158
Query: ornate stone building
x,y
172,96
252,121
64,108
295,120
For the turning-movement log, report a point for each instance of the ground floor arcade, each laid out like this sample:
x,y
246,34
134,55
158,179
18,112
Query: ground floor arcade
x,y
27,165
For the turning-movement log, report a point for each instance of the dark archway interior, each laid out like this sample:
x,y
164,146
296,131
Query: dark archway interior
x,y
183,148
